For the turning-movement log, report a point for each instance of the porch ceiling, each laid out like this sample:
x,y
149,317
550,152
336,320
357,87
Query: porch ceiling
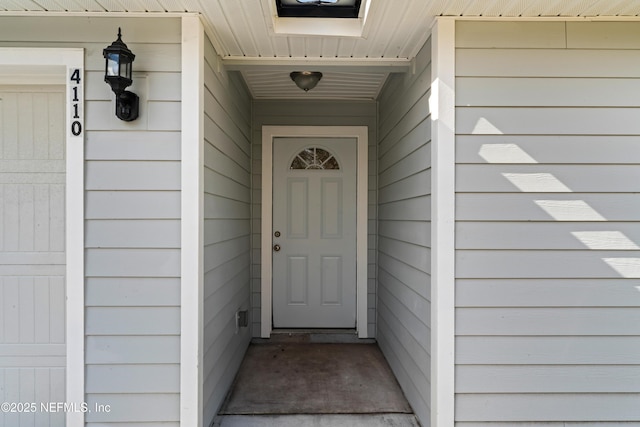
x,y
355,56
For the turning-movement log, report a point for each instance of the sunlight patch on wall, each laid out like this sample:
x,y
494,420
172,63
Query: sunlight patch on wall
x,y
484,126
627,267
606,240
504,153
569,210
439,111
559,210
537,182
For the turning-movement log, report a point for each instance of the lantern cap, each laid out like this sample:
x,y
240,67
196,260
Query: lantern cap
x,y
119,47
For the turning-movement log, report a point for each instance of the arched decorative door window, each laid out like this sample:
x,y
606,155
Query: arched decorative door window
x,y
314,158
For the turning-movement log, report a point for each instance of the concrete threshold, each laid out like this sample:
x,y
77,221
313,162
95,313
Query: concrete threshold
x,y
317,420
316,336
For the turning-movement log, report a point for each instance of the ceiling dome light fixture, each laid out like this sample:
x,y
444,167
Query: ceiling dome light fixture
x,y
306,80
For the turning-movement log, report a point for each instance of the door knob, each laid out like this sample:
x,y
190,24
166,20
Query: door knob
x,y
276,248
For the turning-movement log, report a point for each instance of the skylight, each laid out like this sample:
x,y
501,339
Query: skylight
x,y
318,8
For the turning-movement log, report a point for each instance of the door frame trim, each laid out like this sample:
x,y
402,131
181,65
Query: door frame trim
x,y
360,133
63,61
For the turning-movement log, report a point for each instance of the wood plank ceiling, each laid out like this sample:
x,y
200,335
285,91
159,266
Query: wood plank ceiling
x,y
356,56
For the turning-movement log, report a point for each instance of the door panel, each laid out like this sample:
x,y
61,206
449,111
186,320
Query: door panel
x,y
297,208
331,208
314,259
331,280
297,280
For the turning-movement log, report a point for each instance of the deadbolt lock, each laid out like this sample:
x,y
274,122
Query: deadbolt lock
x,y
277,234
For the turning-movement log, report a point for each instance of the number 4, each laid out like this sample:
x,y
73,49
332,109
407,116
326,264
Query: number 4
x,y
75,76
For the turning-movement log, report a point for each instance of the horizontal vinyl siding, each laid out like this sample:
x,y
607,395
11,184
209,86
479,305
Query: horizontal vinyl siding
x,y
132,209
548,230
227,228
133,237
404,231
318,113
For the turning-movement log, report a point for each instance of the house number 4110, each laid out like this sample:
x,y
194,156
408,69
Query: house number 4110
x,y
76,101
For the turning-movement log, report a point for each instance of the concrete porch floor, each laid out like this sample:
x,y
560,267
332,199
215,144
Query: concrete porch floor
x,y
309,379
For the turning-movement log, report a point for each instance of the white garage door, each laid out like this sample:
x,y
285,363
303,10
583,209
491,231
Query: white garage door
x,y
32,252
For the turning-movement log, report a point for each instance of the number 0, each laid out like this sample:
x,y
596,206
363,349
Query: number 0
x,y
76,128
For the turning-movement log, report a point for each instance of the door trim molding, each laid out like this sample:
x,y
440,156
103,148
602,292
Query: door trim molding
x,y
64,62
360,133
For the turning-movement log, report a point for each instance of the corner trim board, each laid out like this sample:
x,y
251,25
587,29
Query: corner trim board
x,y
442,109
192,224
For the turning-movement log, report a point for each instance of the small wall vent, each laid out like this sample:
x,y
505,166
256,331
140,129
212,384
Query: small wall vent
x,y
242,318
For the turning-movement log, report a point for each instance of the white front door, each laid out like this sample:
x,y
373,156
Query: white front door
x,y
314,232
32,253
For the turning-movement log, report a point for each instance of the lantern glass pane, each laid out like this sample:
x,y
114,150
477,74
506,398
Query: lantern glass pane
x,y
127,70
113,64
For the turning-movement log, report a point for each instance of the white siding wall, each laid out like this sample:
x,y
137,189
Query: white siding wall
x,y
548,224
404,209
133,230
227,227
132,215
309,113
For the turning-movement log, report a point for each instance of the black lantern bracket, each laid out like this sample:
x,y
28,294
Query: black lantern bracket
x,y
127,106
118,74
